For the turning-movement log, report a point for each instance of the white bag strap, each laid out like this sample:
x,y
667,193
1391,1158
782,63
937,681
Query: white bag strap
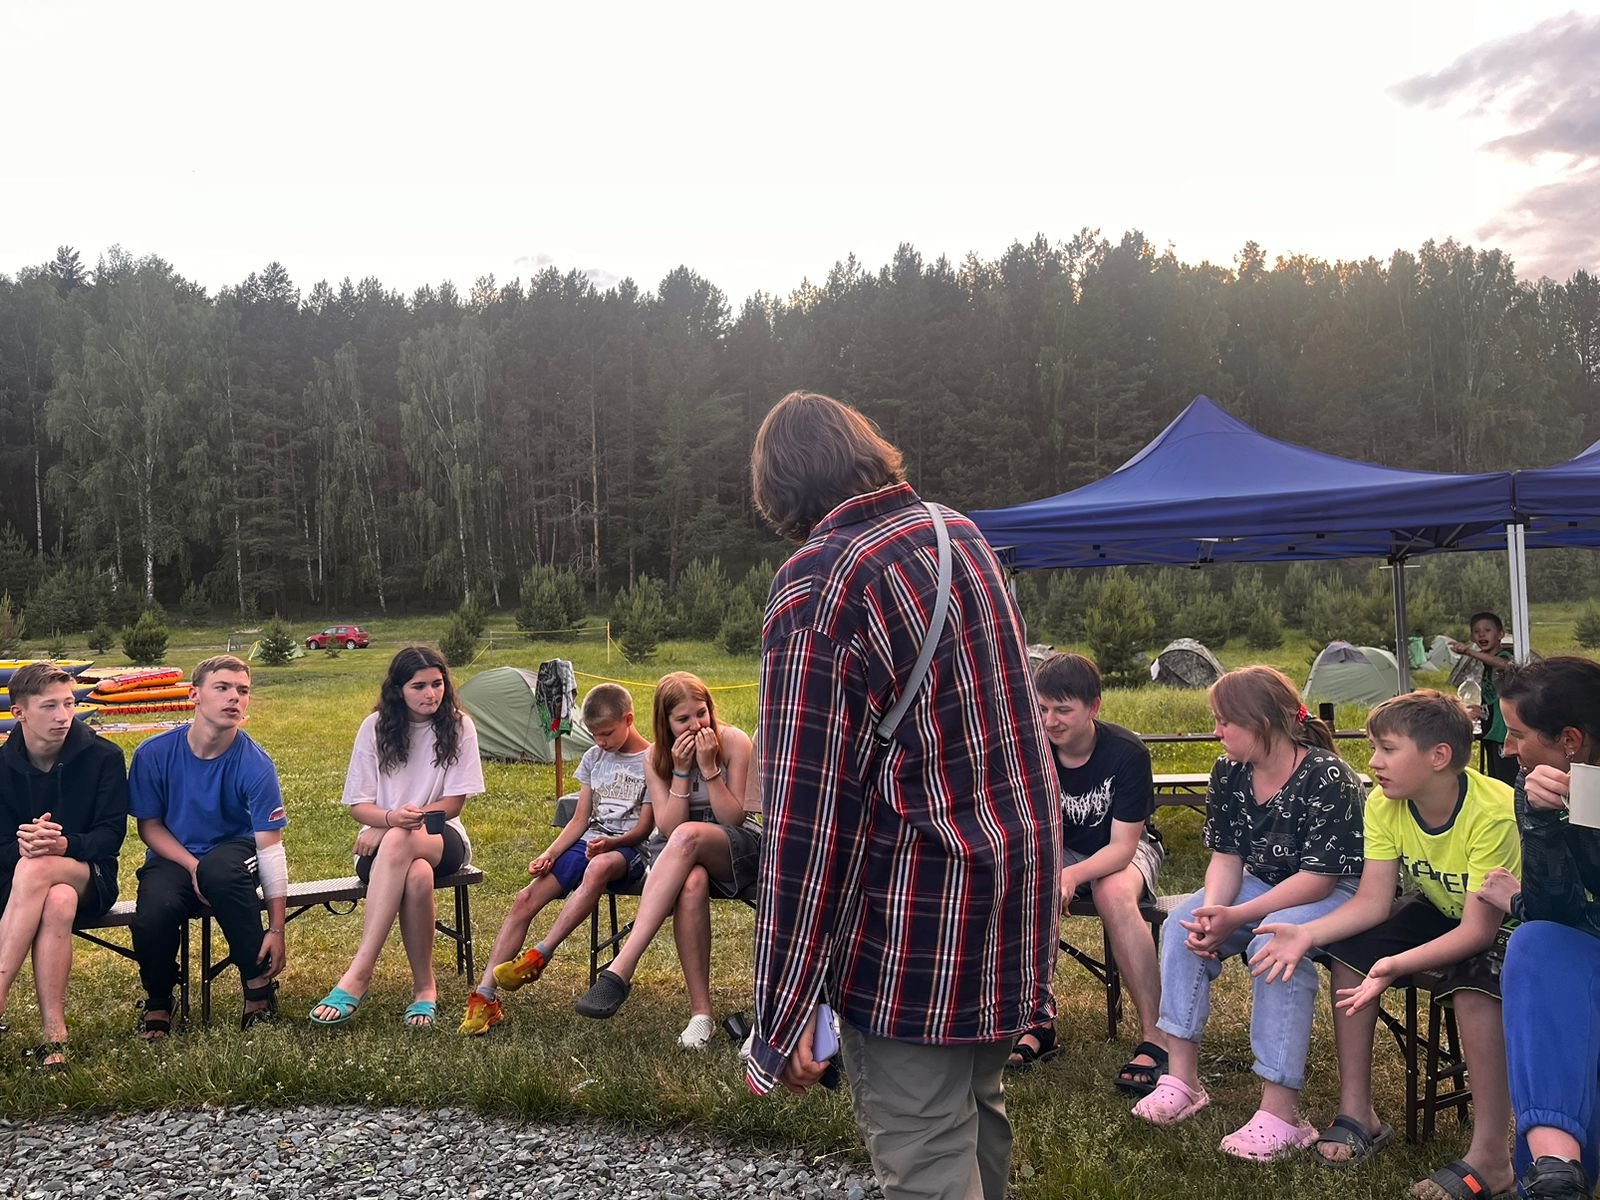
x,y
941,605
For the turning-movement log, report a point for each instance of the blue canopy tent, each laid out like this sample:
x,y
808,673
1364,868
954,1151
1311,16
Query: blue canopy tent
x,y
1210,489
1560,505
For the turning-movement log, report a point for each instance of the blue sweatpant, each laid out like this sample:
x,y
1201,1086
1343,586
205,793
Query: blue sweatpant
x,y
1551,992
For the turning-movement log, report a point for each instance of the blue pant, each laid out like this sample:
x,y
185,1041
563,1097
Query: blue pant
x,y
1281,1013
1551,990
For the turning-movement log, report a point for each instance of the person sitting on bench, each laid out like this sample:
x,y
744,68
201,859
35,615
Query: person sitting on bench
x,y
1110,849
63,815
208,805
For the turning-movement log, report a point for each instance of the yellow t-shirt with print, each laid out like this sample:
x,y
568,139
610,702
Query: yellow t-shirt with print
x,y
1445,864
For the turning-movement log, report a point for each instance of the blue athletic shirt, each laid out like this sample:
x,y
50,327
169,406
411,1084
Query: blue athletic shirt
x,y
204,802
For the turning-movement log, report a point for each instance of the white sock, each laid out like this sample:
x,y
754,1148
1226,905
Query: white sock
x,y
698,1032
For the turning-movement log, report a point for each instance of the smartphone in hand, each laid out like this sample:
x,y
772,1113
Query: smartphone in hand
x,y
825,1046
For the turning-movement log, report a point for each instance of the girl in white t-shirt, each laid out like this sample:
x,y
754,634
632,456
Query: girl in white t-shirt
x,y
414,764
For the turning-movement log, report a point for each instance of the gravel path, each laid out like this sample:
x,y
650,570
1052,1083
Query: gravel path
x,y
325,1153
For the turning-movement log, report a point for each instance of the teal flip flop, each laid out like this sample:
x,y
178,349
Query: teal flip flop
x,y
341,1002
425,1009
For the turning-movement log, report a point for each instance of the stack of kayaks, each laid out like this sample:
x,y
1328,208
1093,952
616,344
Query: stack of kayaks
x,y
145,690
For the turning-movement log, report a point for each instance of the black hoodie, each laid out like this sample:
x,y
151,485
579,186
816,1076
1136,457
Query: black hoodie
x,y
86,793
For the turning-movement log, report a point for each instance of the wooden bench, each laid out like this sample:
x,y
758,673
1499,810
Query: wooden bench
x,y
303,897
1187,789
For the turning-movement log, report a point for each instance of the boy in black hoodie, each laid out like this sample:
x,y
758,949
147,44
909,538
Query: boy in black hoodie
x,y
63,814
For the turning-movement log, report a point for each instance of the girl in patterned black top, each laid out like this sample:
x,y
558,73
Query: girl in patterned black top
x,y
1283,825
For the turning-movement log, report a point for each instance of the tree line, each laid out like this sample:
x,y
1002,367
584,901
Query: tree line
x,y
263,449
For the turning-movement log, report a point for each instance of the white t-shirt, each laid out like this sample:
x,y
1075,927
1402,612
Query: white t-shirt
x,y
418,783
616,782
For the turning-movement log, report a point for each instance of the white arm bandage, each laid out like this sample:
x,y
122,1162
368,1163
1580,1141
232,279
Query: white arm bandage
x,y
273,868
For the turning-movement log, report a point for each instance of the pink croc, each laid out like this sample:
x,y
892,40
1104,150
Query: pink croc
x,y
1172,1100
1266,1137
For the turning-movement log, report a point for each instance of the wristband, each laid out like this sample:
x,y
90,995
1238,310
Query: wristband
x,y
679,795
274,928
676,774
713,775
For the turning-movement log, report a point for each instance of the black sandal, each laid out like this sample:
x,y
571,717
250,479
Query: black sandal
x,y
267,992
155,1029
1137,1079
49,1056
1024,1057
1460,1181
1350,1133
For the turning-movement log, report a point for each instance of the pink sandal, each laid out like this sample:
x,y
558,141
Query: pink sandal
x,y
1172,1100
1266,1137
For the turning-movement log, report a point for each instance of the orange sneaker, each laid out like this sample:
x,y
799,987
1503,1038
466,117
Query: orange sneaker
x,y
525,968
482,1015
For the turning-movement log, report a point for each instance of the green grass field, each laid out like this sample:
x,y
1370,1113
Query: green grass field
x,y
1074,1134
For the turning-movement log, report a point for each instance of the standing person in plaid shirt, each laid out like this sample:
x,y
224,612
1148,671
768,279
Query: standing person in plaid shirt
x,y
914,885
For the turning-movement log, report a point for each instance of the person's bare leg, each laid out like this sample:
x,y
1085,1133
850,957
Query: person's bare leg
x,y
1543,1141
514,929
691,845
385,888
691,930
31,884
1483,1046
417,929
52,959
602,870
1116,898
1352,1038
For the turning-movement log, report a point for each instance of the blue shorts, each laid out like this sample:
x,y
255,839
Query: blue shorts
x,y
569,868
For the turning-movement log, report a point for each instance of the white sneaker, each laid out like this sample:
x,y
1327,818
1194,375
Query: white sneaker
x,y
698,1032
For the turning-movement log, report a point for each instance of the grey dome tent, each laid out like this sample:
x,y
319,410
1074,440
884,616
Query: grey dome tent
x,y
1185,663
1346,674
504,705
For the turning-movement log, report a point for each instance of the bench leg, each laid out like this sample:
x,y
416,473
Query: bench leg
x,y
183,973
464,962
205,969
1113,987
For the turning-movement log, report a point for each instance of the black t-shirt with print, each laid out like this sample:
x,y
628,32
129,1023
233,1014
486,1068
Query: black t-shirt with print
x,y
1312,824
1114,783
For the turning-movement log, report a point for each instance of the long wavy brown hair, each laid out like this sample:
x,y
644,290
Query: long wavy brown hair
x,y
394,719
671,691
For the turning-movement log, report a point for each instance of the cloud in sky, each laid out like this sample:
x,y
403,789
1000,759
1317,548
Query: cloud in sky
x,y
1543,84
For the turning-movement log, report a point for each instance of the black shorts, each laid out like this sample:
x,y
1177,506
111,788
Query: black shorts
x,y
455,853
1414,922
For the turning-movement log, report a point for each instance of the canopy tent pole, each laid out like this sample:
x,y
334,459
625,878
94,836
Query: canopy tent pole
x,y
1402,640
1517,565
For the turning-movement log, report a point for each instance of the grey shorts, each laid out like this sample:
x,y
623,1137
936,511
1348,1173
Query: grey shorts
x,y
1148,856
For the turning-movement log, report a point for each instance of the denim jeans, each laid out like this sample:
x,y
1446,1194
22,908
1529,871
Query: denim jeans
x,y
1280,1017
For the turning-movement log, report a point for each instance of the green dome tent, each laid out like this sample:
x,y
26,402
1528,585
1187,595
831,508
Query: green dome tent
x,y
1346,674
505,709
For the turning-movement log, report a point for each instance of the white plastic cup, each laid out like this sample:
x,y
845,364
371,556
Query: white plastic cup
x,y
1583,796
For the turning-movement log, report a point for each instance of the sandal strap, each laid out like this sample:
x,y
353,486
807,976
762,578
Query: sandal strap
x,y
1461,1180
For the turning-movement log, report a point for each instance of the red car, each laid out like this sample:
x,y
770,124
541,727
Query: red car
x,y
351,637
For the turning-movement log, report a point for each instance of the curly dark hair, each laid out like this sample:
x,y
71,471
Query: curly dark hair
x,y
394,719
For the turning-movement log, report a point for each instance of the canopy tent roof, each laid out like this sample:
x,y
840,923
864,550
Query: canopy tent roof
x,y
1561,504
1209,488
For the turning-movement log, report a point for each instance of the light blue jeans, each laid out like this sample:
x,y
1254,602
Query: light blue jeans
x,y
1280,1019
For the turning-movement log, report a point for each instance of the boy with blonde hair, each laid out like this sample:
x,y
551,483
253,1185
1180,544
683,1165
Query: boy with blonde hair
x,y
599,848
1440,827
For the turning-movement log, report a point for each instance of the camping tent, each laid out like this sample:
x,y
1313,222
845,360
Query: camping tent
x,y
1185,663
505,709
1346,674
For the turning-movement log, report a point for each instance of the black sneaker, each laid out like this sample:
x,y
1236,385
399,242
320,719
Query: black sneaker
x,y
1552,1178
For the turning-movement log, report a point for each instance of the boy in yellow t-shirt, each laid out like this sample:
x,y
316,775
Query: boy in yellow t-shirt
x,y
1442,828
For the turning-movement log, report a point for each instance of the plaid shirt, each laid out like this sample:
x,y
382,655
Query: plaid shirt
x,y
918,883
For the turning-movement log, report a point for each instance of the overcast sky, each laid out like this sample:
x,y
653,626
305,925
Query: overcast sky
x,y
758,144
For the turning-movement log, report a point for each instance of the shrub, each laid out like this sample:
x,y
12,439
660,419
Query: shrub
x,y
474,617
550,598
1587,631
642,613
1264,631
56,647
701,598
145,643
103,639
10,636
59,604
1339,613
1207,617
741,626
757,583
278,644
1119,629
459,644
